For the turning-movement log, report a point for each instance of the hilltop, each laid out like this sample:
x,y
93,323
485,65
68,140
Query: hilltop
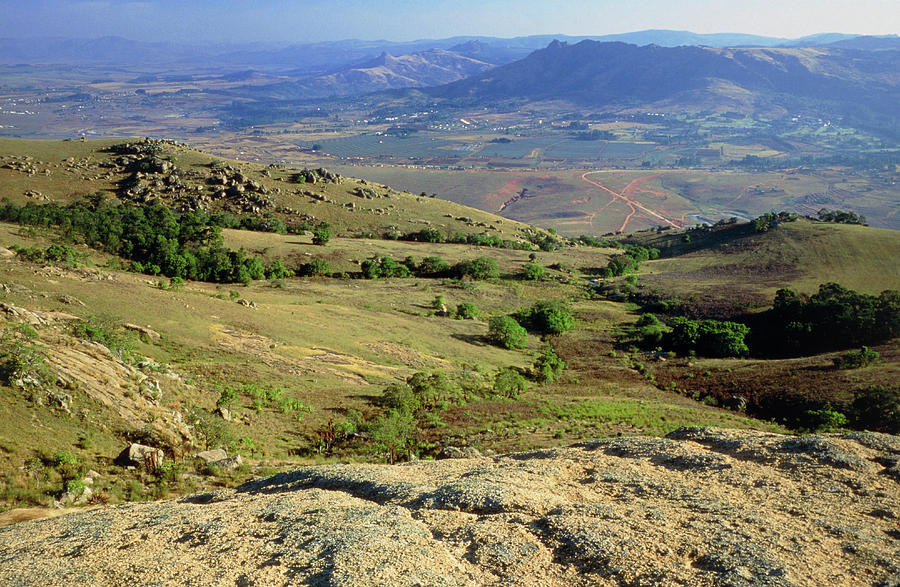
x,y
700,507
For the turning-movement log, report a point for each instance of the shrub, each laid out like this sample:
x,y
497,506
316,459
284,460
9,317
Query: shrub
x,y
533,272
548,317
318,267
383,267
226,398
509,383
466,311
648,320
548,366
277,270
480,268
876,408
322,234
433,266
507,333
823,420
710,338
439,303
857,359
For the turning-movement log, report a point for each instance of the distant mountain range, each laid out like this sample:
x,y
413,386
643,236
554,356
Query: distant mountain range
x,y
619,75
325,57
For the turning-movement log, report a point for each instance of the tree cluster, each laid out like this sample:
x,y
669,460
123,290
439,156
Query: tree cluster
x,y
833,318
157,240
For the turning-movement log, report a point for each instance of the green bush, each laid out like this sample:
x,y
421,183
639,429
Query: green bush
x,y
318,267
118,341
480,269
876,408
322,234
548,317
507,333
509,383
227,397
432,266
277,270
466,311
533,272
383,266
823,420
548,366
857,359
709,338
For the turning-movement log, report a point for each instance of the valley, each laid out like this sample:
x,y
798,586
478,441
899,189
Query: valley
x,y
543,309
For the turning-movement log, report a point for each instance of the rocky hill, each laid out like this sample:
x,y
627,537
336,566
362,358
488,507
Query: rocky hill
x,y
700,507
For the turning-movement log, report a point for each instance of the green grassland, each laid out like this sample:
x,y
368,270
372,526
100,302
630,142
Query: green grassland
x,y
800,255
302,355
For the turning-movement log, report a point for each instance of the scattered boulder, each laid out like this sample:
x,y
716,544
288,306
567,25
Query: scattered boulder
x,y
211,456
143,330
141,455
459,452
232,463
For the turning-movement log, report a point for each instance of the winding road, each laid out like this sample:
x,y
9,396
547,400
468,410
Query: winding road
x,y
633,205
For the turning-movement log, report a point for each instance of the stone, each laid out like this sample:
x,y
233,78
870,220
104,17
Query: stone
x,y
228,464
457,452
141,455
209,456
625,511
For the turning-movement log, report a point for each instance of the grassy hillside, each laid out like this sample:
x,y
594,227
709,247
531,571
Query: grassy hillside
x,y
94,357
63,171
733,267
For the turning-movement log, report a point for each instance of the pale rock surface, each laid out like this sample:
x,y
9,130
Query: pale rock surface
x,y
700,507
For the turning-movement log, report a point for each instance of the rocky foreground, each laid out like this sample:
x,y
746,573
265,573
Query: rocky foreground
x,y
700,507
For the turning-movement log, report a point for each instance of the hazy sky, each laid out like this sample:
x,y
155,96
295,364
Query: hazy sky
x,y
317,20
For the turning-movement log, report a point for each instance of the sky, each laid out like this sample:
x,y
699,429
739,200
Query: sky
x,y
283,21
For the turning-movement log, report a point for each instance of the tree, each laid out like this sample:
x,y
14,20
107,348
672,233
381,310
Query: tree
x,y
400,397
394,433
507,333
